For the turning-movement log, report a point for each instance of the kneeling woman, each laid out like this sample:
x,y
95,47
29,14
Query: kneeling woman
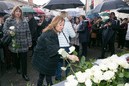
x,y
45,56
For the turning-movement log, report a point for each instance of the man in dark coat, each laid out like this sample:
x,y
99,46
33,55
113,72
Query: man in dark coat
x,y
108,37
41,25
33,29
84,37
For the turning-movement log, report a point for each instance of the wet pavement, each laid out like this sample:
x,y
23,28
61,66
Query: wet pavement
x,y
11,78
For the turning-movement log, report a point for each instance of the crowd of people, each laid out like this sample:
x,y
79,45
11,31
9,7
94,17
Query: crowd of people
x,y
45,37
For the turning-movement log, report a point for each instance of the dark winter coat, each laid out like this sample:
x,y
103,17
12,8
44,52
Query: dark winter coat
x,y
22,34
33,28
84,35
45,57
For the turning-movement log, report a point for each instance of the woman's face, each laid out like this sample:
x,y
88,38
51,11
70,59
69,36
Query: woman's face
x,y
17,13
60,26
77,20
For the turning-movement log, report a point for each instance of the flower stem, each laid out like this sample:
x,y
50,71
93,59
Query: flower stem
x,y
71,68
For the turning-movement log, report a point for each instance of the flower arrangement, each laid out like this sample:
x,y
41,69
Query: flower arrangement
x,y
111,71
12,33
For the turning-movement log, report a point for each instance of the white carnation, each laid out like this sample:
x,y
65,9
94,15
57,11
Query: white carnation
x,y
63,52
12,27
127,84
72,82
71,49
63,68
88,82
108,75
80,77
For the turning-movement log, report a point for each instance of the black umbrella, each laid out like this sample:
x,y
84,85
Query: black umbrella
x,y
5,5
2,13
123,10
63,4
109,5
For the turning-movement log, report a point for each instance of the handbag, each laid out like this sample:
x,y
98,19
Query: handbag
x,y
6,40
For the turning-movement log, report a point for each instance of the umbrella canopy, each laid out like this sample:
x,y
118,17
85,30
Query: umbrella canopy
x,y
104,14
38,11
5,5
63,4
109,5
27,9
123,10
91,15
2,13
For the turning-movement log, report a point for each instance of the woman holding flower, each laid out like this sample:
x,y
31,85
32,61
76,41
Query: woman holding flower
x,y
18,28
45,56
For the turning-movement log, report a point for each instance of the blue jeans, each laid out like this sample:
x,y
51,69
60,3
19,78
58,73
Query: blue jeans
x,y
60,64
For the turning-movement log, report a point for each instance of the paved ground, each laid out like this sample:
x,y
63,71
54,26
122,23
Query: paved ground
x,y
11,78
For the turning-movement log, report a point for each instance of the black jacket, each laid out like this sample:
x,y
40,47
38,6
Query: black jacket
x,y
45,57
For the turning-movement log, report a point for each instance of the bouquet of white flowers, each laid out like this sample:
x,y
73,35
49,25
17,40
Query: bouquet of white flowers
x,y
111,71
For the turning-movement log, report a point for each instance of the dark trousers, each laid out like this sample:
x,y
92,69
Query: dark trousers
x,y
20,60
58,73
84,49
104,48
41,78
121,41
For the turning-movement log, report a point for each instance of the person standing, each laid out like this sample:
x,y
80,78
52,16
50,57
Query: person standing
x,y
64,42
41,24
33,29
84,35
22,40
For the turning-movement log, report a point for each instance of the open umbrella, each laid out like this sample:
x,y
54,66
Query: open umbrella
x,y
63,4
91,15
5,5
123,10
109,5
4,12
27,9
38,11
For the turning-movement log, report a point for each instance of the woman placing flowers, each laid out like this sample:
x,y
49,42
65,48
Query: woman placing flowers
x,y
18,28
45,56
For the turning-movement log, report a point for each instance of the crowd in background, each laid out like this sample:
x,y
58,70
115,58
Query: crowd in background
x,y
78,31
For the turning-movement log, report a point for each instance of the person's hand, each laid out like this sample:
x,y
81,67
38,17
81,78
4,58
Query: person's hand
x,y
73,58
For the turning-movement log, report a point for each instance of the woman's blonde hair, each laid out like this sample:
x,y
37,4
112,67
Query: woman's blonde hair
x,y
54,23
13,12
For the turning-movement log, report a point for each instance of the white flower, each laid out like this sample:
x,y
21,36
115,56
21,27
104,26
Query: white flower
x,y
97,76
63,68
70,77
88,73
80,77
123,63
63,53
127,84
71,49
13,45
88,82
12,28
12,33
108,75
71,81
112,66
103,67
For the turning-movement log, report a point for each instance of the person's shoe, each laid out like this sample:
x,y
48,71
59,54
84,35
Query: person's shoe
x,y
26,78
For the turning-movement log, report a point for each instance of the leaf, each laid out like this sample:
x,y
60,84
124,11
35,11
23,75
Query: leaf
x,y
75,53
126,74
121,75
